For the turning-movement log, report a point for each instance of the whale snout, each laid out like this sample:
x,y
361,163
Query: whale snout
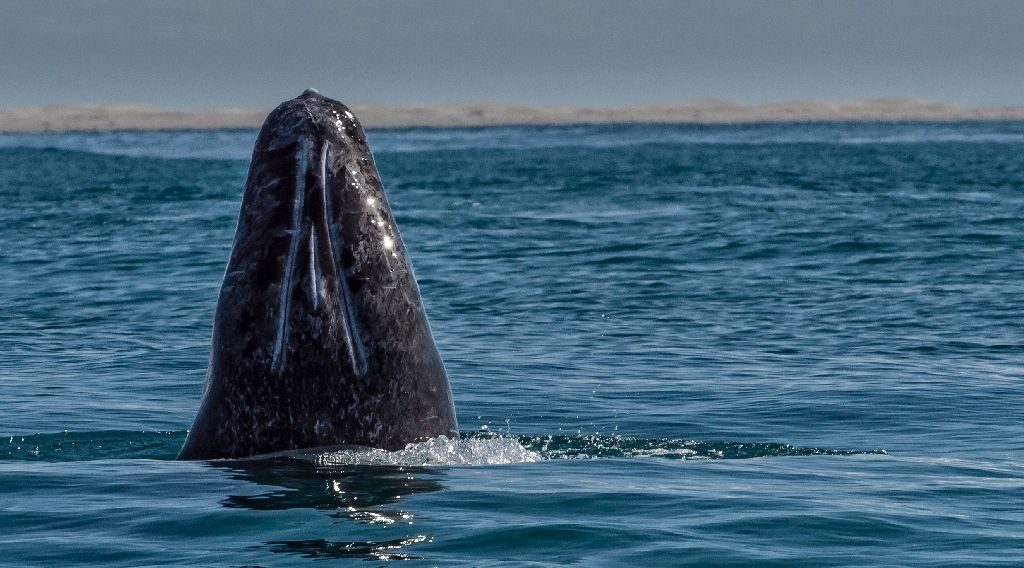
x,y
320,337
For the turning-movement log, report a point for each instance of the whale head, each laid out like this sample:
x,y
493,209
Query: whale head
x,y
320,337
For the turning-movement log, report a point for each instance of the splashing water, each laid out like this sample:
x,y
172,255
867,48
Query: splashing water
x,y
439,451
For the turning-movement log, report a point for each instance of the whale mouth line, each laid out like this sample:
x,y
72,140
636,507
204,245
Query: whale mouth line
x,y
314,270
305,226
348,321
296,233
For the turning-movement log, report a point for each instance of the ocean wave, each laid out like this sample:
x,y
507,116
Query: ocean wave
x,y
472,448
236,144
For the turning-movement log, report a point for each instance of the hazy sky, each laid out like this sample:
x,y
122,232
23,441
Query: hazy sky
x,y
189,53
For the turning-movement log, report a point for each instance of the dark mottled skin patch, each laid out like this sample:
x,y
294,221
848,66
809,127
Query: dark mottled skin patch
x,y
356,361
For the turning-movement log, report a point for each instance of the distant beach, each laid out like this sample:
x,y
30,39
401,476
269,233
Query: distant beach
x,y
78,117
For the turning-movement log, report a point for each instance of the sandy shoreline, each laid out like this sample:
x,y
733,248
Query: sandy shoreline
x,y
75,117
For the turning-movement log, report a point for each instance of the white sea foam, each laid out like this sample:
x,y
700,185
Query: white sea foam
x,y
441,451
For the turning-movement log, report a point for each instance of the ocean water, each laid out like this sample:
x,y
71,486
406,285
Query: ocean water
x,y
767,345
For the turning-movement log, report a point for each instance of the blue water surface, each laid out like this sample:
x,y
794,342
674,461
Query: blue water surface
x,y
760,345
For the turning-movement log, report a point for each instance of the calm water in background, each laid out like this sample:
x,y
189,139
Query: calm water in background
x,y
782,345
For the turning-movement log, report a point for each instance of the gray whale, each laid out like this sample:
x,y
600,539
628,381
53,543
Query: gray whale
x,y
320,337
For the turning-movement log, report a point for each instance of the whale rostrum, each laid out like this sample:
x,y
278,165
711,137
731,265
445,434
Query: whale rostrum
x,y
320,337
